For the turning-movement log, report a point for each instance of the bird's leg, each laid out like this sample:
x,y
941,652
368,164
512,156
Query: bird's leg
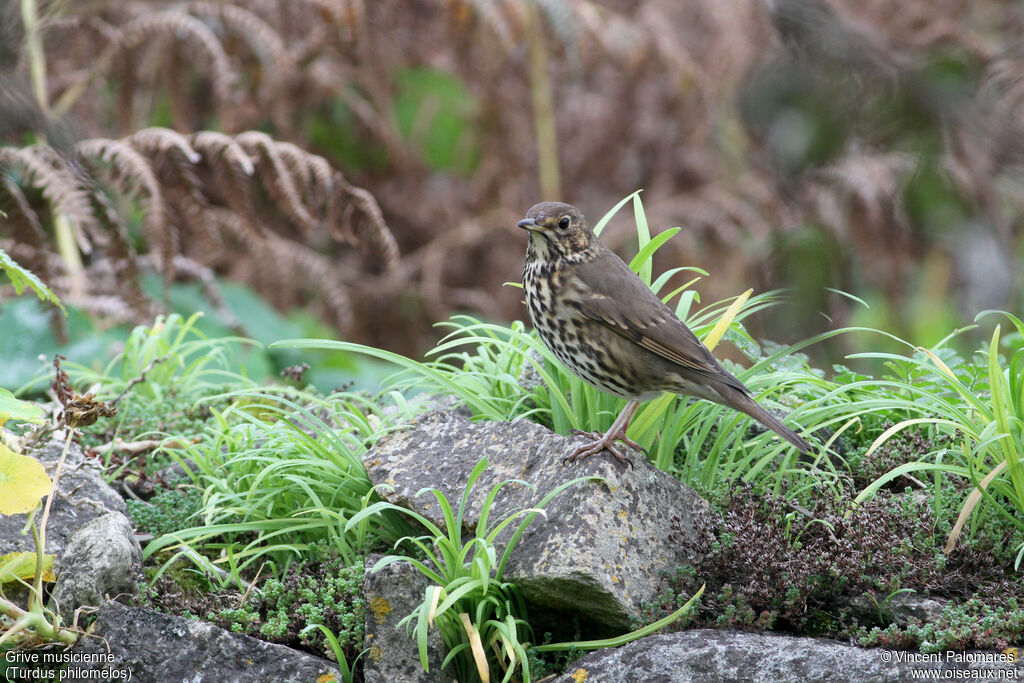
x,y
606,442
617,432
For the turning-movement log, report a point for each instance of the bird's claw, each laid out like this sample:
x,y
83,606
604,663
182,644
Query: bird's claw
x,y
598,436
600,443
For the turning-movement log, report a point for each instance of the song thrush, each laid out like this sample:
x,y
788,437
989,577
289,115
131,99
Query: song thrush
x,y
611,330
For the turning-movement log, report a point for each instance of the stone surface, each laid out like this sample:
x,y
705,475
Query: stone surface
x,y
392,654
426,402
599,552
529,379
900,609
101,560
713,656
82,497
174,472
903,607
158,647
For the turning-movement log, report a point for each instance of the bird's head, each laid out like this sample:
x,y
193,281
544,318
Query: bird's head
x,y
557,230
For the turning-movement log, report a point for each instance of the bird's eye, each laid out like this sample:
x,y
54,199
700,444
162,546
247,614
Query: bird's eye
x,y
563,223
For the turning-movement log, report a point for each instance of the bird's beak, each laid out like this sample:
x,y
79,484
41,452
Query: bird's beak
x,y
529,224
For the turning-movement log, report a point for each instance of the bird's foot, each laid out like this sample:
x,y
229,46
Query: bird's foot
x,y
621,436
602,442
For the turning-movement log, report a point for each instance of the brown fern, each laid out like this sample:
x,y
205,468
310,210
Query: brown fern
x,y
207,201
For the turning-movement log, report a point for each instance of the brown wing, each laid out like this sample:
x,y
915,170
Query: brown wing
x,y
613,295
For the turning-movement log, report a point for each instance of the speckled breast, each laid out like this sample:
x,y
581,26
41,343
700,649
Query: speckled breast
x,y
575,341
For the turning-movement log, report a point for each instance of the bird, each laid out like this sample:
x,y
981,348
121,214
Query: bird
x,y
607,327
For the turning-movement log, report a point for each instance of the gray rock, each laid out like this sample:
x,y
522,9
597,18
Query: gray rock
x,y
900,609
600,551
160,647
529,378
392,655
713,656
82,496
426,402
903,607
101,560
176,471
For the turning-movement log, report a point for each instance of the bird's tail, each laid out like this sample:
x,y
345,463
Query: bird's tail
x,y
742,402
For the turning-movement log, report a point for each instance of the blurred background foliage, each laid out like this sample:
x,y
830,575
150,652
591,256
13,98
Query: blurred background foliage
x,y
376,155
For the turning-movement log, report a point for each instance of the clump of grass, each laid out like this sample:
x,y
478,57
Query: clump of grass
x,y
478,613
281,471
171,357
979,408
162,384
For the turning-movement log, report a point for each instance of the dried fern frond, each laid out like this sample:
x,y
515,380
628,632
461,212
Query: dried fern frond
x,y
206,201
26,230
276,260
41,167
874,182
131,173
230,177
361,221
142,32
272,170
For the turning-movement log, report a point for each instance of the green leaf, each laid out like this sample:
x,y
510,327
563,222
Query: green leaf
x,y
643,234
644,255
716,333
614,210
627,637
12,408
22,277
22,565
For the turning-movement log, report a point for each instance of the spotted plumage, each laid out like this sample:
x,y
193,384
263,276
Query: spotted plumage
x,y
604,324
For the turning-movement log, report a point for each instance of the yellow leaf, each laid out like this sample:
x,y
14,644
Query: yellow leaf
x,y
23,566
970,503
718,331
938,362
476,647
434,598
23,482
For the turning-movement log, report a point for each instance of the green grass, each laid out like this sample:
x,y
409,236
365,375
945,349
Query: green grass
x,y
979,406
475,609
276,477
170,356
